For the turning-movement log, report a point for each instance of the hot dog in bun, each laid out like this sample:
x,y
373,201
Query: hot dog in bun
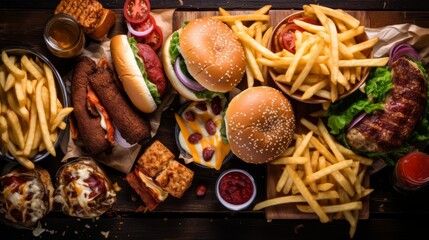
x,y
140,71
203,57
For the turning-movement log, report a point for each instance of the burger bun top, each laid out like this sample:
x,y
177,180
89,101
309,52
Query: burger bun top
x,y
260,124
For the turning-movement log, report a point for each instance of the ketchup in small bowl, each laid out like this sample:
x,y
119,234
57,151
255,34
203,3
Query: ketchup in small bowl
x,y
235,189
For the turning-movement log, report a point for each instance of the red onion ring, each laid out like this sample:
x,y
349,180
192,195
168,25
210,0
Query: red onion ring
x,y
403,49
188,82
138,33
356,120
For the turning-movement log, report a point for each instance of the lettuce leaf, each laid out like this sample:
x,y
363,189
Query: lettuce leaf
x,y
152,87
174,47
342,113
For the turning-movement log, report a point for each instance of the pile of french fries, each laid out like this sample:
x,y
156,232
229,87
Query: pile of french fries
x,y
31,114
321,176
328,60
254,27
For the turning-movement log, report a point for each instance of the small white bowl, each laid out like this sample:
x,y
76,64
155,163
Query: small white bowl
x,y
232,206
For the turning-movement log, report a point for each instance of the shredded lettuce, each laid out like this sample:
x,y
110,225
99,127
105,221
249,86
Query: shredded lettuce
x,y
152,87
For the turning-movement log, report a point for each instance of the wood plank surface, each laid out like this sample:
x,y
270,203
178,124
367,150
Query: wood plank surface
x,y
392,216
192,5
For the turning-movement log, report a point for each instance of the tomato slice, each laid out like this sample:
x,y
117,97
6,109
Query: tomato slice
x,y
136,11
153,39
286,36
143,26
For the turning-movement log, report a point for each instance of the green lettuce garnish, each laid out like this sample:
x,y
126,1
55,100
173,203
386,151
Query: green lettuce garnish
x,y
152,87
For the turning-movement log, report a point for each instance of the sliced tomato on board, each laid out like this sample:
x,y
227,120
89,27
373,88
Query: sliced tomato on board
x,y
136,11
153,39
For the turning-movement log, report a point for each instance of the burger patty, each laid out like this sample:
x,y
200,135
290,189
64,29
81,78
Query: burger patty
x,y
133,127
89,128
403,108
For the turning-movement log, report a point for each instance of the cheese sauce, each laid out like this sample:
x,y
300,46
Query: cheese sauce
x,y
22,199
198,125
84,191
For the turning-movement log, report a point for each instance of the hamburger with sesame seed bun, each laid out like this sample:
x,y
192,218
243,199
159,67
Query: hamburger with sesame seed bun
x,y
203,58
260,124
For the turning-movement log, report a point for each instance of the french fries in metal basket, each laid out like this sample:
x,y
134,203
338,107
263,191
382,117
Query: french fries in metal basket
x,y
30,116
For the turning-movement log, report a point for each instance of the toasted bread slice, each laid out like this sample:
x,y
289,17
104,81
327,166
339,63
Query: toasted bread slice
x,y
155,159
175,179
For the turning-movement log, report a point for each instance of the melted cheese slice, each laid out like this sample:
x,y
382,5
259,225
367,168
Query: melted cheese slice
x,y
159,192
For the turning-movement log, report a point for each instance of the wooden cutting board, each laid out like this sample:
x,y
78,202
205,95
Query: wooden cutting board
x,y
301,110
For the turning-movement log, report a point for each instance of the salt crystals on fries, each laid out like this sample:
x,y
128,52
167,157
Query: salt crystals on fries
x,y
327,59
30,113
254,28
326,178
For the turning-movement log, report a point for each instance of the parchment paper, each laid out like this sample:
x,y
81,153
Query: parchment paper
x,y
401,33
121,159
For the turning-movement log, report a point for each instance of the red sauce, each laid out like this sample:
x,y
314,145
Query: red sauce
x,y
412,170
236,188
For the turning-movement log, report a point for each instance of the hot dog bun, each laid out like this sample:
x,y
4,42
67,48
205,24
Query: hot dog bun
x,y
130,75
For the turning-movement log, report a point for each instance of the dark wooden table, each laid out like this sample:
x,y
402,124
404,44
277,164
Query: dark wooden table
x,y
392,215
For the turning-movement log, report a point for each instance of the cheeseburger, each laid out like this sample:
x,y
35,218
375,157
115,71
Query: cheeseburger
x,y
260,123
202,58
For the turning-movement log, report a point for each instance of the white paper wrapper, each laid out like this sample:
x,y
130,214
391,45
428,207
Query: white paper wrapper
x,y
121,159
401,33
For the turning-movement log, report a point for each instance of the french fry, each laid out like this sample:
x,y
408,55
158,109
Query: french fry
x,y
328,170
333,208
290,160
252,42
28,65
294,199
42,119
10,82
52,92
31,130
12,68
60,117
243,17
16,128
346,18
22,160
313,56
307,195
375,62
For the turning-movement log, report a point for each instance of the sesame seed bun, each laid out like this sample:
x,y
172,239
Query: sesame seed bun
x,y
212,53
260,124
